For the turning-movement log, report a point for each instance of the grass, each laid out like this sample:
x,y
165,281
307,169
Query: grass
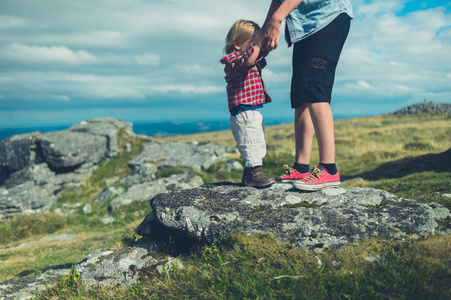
x,y
258,267
403,155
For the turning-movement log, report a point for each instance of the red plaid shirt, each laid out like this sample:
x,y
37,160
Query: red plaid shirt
x,y
244,82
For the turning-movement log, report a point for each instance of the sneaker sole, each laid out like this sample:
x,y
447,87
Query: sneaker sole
x,y
261,185
316,187
289,180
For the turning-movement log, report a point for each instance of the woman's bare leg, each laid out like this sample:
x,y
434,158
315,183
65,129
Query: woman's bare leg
x,y
323,123
304,131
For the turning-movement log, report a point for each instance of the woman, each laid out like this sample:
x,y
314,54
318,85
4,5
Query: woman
x,y
318,30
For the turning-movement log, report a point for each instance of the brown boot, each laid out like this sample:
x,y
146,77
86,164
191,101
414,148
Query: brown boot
x,y
245,175
253,177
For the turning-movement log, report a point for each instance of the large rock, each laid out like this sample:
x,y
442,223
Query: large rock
x,y
107,194
231,166
145,191
33,190
328,218
125,266
106,127
195,155
141,173
69,150
88,142
63,151
35,166
26,198
40,174
20,151
28,286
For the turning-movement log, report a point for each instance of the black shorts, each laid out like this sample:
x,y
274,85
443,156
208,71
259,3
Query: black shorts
x,y
315,59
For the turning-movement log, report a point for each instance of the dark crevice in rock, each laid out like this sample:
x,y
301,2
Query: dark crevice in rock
x,y
38,153
175,242
4,174
64,170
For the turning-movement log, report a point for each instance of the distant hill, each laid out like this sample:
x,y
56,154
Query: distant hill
x,y
426,107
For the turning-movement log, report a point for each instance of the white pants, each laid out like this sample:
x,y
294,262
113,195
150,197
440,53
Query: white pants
x,y
248,129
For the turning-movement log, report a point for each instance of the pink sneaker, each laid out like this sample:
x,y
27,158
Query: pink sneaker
x,y
291,175
319,179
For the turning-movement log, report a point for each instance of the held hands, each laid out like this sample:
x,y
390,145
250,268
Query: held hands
x,y
271,35
276,14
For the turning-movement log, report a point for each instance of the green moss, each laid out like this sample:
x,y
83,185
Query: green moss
x,y
302,204
405,229
444,224
260,208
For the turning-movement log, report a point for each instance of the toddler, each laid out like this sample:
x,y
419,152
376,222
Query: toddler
x,y
246,93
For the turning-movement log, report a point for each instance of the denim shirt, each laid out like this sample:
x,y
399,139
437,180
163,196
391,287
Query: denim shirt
x,y
311,16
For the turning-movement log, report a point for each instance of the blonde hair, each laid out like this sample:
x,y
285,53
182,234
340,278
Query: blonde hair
x,y
240,32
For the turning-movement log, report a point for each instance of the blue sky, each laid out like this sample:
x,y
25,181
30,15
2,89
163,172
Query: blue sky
x,y
62,62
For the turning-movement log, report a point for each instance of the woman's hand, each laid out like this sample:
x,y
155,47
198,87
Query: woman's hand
x,y
271,35
276,14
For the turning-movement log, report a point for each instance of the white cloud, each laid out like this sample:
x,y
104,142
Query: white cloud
x,y
274,77
147,59
445,35
67,86
11,22
42,54
143,51
106,35
402,88
404,56
379,7
60,97
360,85
198,70
186,89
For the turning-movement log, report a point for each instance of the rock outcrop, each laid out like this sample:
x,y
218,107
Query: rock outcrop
x,y
207,214
196,155
27,286
145,191
26,198
426,107
86,143
106,127
309,220
125,266
313,220
35,166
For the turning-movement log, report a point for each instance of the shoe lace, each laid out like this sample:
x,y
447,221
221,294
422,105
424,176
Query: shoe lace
x,y
288,168
314,174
